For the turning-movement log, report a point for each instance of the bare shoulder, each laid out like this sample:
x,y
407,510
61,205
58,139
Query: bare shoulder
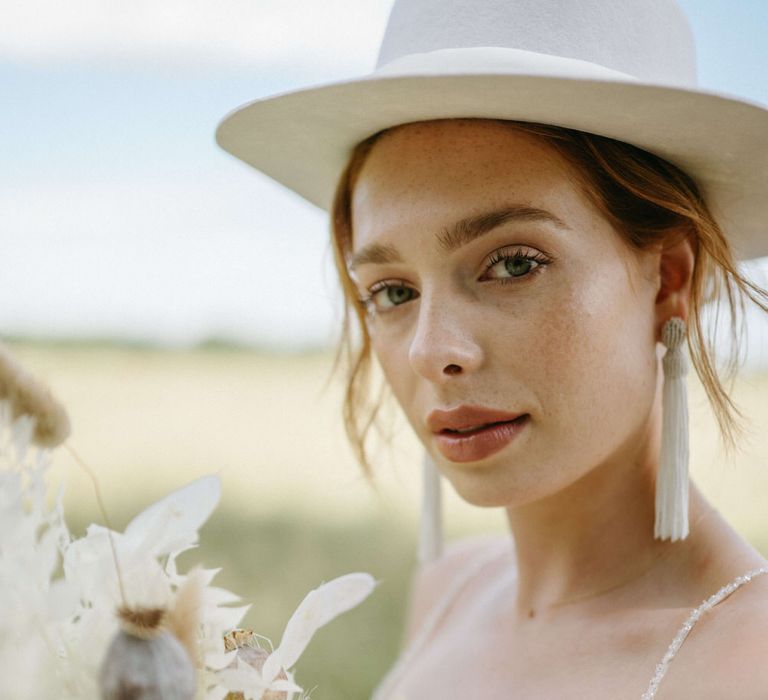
x,y
731,648
429,582
743,645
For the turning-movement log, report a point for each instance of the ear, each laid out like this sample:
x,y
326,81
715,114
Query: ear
x,y
676,262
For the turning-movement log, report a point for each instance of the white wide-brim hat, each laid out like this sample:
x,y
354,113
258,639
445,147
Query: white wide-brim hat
x,y
625,69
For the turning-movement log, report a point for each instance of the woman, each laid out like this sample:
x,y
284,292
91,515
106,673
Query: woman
x,y
529,201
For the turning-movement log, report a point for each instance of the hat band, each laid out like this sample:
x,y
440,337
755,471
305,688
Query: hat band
x,y
497,60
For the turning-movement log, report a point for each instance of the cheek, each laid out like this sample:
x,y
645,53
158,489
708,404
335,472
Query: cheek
x,y
596,380
390,351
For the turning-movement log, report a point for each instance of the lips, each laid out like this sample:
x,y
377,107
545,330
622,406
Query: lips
x,y
473,430
473,433
466,418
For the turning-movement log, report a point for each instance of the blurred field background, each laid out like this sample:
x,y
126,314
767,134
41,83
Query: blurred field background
x,y
296,510
122,219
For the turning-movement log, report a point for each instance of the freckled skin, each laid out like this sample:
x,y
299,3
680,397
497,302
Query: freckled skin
x,y
573,346
593,599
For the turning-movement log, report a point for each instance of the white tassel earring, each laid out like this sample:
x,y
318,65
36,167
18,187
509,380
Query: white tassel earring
x,y
431,532
672,477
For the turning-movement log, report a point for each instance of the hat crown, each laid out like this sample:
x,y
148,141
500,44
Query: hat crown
x,y
648,39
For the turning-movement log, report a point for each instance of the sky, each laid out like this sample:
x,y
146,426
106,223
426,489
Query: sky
x,y
120,217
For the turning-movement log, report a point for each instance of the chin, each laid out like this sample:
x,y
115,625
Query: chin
x,y
483,490
506,483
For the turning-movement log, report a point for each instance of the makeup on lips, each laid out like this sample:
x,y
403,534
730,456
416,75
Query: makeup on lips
x,y
472,433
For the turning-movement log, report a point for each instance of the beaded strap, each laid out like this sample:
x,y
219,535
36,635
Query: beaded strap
x,y
693,618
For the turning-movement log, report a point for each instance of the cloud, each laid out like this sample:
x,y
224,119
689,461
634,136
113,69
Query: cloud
x,y
231,32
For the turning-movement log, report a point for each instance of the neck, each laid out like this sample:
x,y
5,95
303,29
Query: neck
x,y
593,539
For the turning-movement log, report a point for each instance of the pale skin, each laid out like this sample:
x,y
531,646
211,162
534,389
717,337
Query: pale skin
x,y
590,600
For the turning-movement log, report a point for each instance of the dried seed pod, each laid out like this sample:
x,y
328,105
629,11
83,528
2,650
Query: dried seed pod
x,y
145,661
27,396
248,650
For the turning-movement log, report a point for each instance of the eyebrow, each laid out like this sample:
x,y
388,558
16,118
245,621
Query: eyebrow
x,y
460,233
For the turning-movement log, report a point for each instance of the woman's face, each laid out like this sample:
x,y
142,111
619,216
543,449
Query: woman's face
x,y
501,296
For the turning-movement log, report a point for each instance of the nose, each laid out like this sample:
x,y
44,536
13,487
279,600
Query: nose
x,y
443,345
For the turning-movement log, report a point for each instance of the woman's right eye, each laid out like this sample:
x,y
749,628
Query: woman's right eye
x,y
387,295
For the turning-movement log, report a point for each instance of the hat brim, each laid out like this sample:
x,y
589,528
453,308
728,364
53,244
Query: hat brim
x,y
303,138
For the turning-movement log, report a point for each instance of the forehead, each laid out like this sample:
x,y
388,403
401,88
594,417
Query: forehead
x,y
442,170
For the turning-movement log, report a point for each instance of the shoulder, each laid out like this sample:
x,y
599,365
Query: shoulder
x,y
743,644
429,582
732,646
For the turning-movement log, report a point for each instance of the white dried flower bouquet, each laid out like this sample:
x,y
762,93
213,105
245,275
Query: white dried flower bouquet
x,y
108,615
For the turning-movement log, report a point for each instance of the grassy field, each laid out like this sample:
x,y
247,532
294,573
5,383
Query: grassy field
x,y
296,510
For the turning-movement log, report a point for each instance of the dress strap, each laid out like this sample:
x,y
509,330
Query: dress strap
x,y
395,674
693,618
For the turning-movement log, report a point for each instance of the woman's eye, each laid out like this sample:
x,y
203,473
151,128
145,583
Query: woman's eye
x,y
387,296
505,265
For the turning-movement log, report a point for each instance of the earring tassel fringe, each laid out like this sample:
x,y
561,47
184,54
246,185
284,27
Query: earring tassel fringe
x,y
672,478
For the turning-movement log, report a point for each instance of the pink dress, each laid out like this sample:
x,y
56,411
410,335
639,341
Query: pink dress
x,y
386,690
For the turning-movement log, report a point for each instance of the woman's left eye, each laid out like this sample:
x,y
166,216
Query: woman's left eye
x,y
511,264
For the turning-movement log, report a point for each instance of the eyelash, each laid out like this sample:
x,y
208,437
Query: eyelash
x,y
496,257
517,254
